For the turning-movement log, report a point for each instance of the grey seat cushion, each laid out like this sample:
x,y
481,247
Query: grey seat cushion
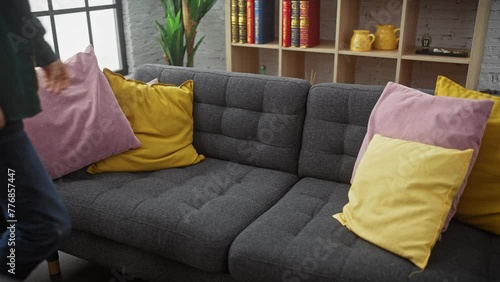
x,y
298,240
190,214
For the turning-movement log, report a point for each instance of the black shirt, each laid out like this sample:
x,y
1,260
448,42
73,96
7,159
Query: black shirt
x,y
22,47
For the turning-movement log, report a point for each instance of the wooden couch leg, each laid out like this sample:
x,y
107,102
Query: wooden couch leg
x,y
53,263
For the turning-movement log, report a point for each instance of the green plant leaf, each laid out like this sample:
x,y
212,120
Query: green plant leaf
x,y
192,32
172,38
199,8
164,41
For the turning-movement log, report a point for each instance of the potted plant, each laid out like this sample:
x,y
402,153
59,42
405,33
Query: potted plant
x,y
177,36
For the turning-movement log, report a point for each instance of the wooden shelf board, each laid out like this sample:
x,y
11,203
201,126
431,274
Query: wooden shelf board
x,y
244,57
393,54
436,59
270,45
325,46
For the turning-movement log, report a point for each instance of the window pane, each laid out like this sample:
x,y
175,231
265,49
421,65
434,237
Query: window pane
x,y
48,30
39,5
67,4
101,2
72,34
105,35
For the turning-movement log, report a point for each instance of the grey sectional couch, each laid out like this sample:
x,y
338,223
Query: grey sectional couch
x,y
280,154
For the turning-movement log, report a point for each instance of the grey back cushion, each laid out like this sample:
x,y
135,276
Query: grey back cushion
x,y
250,119
334,129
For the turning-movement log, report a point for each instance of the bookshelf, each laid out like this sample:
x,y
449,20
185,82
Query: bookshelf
x,y
335,62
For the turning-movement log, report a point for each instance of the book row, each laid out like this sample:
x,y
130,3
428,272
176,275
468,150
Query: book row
x,y
252,21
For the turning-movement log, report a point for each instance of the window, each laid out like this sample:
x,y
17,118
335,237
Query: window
x,y
73,24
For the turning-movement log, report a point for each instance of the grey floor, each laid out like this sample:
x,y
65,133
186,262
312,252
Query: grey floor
x,y
74,269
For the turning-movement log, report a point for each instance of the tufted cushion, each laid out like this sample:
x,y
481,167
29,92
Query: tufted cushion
x,y
298,240
334,129
245,118
190,214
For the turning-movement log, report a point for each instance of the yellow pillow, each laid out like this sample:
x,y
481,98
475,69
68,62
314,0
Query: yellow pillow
x,y
402,193
161,116
480,201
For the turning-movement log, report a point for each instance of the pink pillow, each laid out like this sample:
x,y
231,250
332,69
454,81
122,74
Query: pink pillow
x,y
409,114
83,124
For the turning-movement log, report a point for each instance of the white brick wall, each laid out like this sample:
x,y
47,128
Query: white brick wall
x,y
328,16
211,54
142,38
449,22
490,68
451,30
377,11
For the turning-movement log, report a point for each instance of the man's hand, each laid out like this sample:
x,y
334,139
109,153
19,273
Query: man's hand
x,y
57,78
2,119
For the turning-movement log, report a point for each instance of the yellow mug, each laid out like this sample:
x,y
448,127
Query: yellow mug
x,y
385,37
362,40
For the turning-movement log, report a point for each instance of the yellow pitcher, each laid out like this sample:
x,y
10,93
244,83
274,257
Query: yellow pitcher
x,y
362,40
386,38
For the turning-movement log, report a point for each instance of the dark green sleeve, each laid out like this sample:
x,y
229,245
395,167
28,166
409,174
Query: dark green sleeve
x,y
19,19
43,52
18,47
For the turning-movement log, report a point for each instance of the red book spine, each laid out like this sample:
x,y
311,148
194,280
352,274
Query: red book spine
x,y
309,23
286,24
250,21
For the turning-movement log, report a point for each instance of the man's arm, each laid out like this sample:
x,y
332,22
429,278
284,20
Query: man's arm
x,y
55,71
28,30
2,119
24,24
43,52
17,16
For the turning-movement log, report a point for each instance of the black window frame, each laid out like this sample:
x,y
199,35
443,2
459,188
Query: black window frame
x,y
87,9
